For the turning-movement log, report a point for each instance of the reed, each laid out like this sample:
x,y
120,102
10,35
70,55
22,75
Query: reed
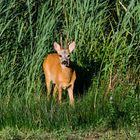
x,y
107,48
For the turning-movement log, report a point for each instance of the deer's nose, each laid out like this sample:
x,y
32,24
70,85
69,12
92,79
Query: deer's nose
x,y
65,62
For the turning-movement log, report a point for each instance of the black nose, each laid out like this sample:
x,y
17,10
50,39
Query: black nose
x,y
65,62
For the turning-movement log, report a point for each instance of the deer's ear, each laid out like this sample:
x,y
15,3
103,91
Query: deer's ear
x,y
56,46
72,46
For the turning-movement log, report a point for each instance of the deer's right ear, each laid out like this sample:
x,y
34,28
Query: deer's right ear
x,y
72,46
56,46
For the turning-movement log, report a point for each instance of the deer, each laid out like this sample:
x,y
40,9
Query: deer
x,y
58,70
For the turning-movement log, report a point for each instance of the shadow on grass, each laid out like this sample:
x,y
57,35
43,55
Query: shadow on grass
x,y
85,77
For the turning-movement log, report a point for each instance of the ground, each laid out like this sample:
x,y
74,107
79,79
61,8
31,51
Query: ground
x,y
17,134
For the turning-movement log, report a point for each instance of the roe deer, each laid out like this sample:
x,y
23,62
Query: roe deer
x,y
58,70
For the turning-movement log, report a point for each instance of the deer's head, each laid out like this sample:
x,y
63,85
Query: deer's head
x,y
64,53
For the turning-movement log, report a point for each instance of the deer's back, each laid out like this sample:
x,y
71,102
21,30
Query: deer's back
x,y
51,64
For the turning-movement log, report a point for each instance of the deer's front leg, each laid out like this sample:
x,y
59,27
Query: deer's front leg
x,y
70,92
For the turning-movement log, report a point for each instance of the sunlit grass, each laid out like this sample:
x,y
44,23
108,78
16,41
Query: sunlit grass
x,y
107,50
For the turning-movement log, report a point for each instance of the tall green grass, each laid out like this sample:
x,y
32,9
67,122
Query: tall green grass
x,y
106,46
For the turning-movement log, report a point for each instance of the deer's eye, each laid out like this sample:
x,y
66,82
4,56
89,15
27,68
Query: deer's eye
x,y
60,55
68,56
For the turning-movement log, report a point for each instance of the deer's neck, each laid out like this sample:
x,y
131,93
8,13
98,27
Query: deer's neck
x,y
67,72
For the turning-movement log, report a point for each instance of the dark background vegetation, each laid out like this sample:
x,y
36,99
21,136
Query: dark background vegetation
x,y
107,61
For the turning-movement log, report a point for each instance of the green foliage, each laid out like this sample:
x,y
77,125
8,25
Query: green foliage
x,y
107,47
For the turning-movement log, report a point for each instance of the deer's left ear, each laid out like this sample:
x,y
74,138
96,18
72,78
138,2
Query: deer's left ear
x,y
57,46
72,46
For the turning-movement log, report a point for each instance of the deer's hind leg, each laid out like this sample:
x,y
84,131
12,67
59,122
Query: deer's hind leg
x,y
48,86
60,94
55,90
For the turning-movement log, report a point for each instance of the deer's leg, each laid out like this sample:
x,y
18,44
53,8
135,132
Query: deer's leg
x,y
70,92
48,86
60,94
54,92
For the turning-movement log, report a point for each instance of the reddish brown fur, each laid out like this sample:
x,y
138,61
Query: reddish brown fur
x,y
62,76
